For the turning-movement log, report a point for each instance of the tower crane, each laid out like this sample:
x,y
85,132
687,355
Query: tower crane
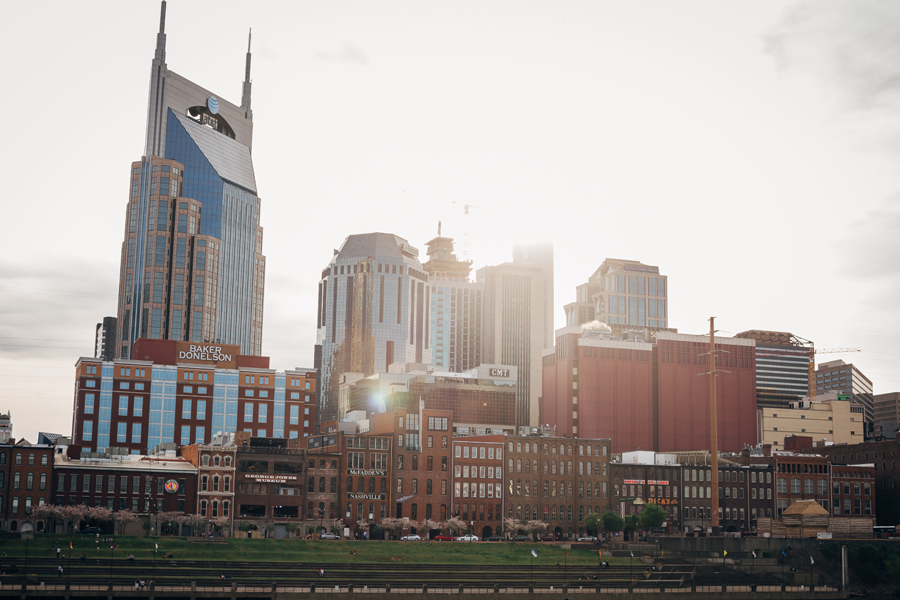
x,y
812,365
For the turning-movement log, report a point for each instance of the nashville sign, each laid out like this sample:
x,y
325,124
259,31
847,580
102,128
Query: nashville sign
x,y
366,496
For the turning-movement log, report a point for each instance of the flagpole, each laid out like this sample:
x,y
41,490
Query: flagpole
x,y
532,567
566,569
69,574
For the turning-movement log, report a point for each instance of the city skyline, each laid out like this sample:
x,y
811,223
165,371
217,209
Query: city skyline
x,y
760,165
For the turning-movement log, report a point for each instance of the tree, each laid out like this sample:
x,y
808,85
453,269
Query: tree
x,y
535,527
592,522
99,514
455,524
427,525
72,515
123,518
47,512
290,527
613,521
168,518
394,524
652,516
512,525
632,523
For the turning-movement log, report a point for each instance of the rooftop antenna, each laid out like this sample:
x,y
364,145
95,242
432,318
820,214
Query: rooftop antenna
x,y
245,98
439,229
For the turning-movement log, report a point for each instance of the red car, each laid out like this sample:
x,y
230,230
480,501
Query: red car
x,y
549,538
444,538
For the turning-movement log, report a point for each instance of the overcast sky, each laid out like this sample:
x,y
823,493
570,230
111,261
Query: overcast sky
x,y
749,149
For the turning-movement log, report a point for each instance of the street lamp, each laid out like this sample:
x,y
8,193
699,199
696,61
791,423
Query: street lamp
x,y
472,532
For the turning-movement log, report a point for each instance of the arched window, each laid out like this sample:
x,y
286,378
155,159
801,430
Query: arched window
x,y
29,481
226,506
227,464
205,460
510,449
604,450
384,485
216,460
228,483
518,446
3,458
553,467
590,468
42,486
203,508
31,459
518,465
570,470
215,483
18,458
215,508
581,466
311,484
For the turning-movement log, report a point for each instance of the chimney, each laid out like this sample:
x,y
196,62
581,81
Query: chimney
x,y
767,449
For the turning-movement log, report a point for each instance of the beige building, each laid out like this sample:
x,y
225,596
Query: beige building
x,y
830,418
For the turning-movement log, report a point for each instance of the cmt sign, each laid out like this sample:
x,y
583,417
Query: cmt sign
x,y
220,356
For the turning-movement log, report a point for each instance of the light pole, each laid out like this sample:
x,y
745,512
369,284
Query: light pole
x,y
472,531
111,548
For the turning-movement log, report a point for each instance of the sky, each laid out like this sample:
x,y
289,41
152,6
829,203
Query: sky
x,y
748,149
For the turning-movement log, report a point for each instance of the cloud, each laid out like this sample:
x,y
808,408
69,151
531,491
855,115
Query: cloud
x,y
349,53
851,46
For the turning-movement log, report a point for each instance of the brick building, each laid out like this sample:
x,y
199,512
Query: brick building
x,y
477,466
216,464
25,482
648,396
421,462
269,480
557,480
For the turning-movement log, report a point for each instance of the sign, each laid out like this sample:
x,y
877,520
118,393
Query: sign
x,y
499,372
221,356
641,269
657,482
366,496
667,500
171,486
367,472
265,478
212,103
634,481
823,535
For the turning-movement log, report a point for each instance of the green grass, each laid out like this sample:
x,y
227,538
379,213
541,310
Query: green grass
x,y
308,551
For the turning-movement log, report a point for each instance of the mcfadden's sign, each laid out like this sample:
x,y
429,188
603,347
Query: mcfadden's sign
x,y
222,356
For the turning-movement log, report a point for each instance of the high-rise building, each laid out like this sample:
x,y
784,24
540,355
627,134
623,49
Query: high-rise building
x,y
192,267
886,414
845,379
374,297
624,294
105,339
782,367
518,322
456,308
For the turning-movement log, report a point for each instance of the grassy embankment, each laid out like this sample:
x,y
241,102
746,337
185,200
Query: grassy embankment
x,y
311,551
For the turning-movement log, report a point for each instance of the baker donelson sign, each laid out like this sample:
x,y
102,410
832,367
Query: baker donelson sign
x,y
219,355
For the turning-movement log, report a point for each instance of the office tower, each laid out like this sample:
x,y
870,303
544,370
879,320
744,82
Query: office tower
x,y
515,323
456,308
782,367
886,414
374,297
624,294
192,267
184,393
845,379
105,339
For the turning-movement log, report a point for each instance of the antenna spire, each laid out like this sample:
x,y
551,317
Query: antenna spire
x,y
245,98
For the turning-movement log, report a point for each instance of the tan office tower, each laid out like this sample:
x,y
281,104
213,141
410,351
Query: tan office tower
x,y
192,265
518,322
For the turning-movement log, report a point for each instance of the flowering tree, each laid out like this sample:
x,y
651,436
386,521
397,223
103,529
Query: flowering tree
x,y
535,526
123,518
394,524
455,524
100,514
72,515
48,513
167,518
427,525
512,525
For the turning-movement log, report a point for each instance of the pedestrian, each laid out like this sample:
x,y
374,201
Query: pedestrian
x,y
59,571
321,572
57,552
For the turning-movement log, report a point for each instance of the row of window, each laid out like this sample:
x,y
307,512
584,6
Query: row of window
x,y
429,486
17,459
476,472
563,488
29,481
551,513
414,463
592,450
550,467
111,483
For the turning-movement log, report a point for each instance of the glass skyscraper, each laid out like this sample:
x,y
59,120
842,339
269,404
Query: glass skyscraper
x,y
373,310
192,267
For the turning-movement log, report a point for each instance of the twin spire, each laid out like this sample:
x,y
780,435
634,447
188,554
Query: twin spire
x,y
161,57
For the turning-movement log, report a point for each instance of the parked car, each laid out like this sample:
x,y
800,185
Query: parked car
x,y
444,538
494,538
521,538
90,530
467,538
549,538
411,538
587,538
328,536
